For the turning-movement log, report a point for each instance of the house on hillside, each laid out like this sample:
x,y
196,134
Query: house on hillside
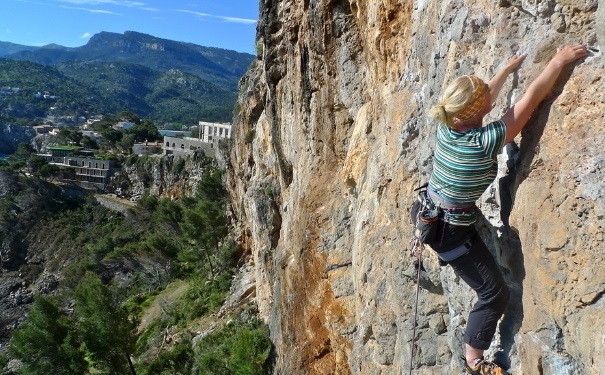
x,y
89,122
124,125
88,172
44,129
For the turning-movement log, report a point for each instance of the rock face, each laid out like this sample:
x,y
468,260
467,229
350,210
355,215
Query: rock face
x,y
333,135
166,176
11,135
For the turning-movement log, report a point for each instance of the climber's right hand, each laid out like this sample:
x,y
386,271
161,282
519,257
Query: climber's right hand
x,y
570,53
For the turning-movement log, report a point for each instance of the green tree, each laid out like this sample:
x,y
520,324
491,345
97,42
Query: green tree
x,y
105,327
128,116
72,136
89,143
47,342
49,170
23,152
145,130
204,223
127,141
35,163
112,135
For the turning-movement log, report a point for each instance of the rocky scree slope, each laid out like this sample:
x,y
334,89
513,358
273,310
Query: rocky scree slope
x,y
334,135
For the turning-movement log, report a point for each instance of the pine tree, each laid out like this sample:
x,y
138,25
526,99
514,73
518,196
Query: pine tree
x,y
47,342
105,327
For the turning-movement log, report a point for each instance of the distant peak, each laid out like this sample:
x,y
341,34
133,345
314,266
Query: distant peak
x,y
54,46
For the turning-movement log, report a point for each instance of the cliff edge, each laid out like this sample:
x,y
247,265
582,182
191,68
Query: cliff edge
x,y
333,134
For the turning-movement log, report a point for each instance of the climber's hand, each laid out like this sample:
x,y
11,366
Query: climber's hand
x,y
570,54
514,62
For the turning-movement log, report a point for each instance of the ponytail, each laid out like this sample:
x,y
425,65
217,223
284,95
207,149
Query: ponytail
x,y
439,113
461,99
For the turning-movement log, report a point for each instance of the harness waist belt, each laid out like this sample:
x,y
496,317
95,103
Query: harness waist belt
x,y
448,205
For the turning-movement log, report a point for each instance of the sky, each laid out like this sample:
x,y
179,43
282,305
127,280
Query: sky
x,y
229,24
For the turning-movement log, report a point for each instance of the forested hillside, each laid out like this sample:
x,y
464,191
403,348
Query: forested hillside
x,y
79,89
115,293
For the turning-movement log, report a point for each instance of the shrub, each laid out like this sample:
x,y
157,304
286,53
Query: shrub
x,y
236,349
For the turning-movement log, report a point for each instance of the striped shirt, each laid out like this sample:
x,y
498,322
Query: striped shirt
x,y
465,164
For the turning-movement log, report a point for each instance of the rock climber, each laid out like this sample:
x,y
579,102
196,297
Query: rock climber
x,y
464,165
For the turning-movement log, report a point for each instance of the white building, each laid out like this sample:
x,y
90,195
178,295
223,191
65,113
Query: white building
x,y
213,132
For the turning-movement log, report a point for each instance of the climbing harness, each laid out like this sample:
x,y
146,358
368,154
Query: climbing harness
x,y
417,249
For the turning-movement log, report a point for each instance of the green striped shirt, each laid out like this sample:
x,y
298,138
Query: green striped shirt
x,y
465,164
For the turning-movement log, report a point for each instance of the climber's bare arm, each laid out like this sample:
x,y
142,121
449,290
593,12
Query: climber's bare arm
x,y
495,84
518,115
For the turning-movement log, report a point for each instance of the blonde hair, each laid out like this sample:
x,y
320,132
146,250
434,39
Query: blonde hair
x,y
461,100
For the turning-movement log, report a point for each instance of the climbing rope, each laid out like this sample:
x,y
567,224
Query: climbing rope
x,y
417,249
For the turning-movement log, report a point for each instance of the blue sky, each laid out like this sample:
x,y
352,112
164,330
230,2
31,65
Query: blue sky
x,y
229,24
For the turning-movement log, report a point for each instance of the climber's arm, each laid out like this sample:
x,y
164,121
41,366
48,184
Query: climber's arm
x,y
518,115
497,81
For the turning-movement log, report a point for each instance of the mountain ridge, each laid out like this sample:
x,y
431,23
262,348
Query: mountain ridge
x,y
219,66
7,48
155,78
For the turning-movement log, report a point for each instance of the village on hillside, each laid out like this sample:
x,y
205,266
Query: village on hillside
x,y
91,172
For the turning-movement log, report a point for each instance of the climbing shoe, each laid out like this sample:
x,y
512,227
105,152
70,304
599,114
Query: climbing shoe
x,y
483,367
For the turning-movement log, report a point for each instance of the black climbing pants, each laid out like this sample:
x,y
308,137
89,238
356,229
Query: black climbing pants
x,y
479,270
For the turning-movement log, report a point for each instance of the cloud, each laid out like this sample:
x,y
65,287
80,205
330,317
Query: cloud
x,y
86,35
196,13
104,2
238,20
90,10
123,3
224,18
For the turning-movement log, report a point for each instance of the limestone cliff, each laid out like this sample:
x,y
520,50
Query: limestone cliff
x,y
11,135
333,135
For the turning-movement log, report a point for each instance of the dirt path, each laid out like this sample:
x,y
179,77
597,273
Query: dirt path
x,y
167,297
114,203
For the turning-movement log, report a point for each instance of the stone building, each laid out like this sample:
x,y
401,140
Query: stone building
x,y
187,146
210,135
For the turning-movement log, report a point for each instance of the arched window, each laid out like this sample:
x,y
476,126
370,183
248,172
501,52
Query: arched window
x,y
182,146
167,144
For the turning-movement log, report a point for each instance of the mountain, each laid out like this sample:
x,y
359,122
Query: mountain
x,y
79,88
7,48
167,96
218,66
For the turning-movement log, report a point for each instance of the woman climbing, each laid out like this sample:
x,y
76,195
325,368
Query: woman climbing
x,y
464,166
